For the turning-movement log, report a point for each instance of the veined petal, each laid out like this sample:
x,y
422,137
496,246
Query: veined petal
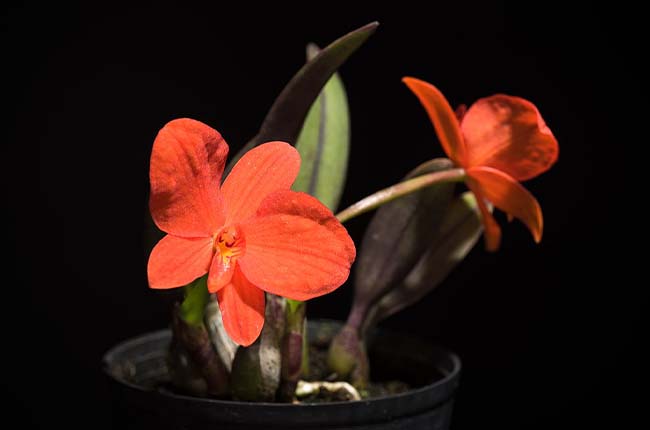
x,y
491,229
509,134
221,271
508,195
442,116
177,261
242,309
270,167
296,248
187,161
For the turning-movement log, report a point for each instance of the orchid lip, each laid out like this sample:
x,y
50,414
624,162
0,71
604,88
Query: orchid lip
x,y
230,242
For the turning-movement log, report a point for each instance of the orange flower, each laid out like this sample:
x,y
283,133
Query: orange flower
x,y
499,141
251,235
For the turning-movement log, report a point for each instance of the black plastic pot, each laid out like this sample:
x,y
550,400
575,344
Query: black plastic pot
x,y
137,367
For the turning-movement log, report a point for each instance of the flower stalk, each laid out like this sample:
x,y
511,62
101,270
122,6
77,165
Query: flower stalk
x,y
393,192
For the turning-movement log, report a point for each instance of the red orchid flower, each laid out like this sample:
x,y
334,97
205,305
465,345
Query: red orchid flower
x,y
499,141
251,234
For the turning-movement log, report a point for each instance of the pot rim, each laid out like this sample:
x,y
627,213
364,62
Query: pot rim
x,y
449,378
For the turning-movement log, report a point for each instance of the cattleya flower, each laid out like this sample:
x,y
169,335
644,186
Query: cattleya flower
x,y
251,234
499,141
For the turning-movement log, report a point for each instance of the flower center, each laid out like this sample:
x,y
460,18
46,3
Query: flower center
x,y
230,243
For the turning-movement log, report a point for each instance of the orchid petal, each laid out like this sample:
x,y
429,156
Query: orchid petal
x,y
296,248
508,134
187,161
242,309
508,195
221,271
177,261
491,229
270,167
442,116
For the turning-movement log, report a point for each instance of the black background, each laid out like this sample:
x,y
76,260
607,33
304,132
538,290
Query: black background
x,y
546,333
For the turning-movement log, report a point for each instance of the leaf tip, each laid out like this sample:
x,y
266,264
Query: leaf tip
x,y
368,29
372,25
311,50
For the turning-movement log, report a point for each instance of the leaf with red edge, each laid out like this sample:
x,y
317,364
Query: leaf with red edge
x,y
296,248
287,114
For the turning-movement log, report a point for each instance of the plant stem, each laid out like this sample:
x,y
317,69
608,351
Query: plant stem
x,y
196,298
196,341
293,349
221,342
191,338
256,369
347,357
381,197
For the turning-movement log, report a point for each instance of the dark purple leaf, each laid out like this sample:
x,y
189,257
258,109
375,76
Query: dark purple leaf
x,y
287,114
459,231
398,235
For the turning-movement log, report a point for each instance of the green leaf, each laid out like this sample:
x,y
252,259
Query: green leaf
x,y
287,114
196,298
397,236
324,143
459,231
294,305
